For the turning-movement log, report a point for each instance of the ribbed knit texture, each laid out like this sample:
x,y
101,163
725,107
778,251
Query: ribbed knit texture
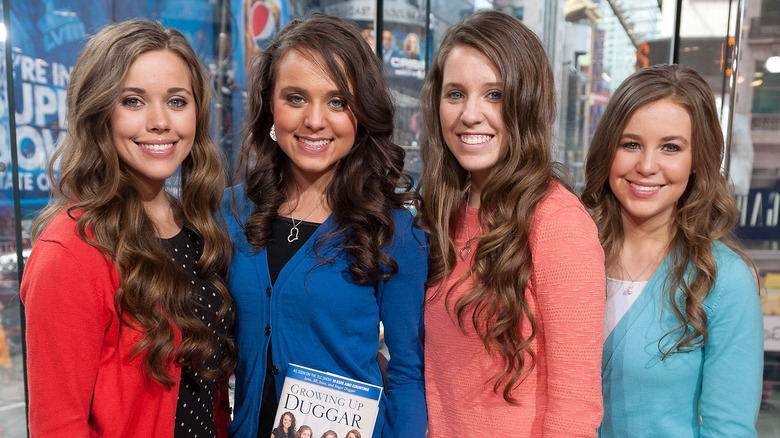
x,y
562,395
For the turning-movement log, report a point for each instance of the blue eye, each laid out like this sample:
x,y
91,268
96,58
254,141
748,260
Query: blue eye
x,y
177,102
454,95
494,95
338,103
631,145
671,147
295,99
132,102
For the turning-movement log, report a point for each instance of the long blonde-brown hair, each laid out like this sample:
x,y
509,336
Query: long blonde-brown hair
x,y
706,212
521,177
95,188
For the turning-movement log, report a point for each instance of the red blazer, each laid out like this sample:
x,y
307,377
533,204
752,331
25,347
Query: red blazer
x,y
81,379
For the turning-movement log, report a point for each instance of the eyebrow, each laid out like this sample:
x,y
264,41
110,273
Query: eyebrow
x,y
667,138
172,90
459,85
298,90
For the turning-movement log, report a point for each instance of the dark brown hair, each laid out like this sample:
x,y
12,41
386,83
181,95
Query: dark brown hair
x,y
368,182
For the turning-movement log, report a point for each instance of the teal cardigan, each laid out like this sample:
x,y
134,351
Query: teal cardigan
x,y
714,391
316,316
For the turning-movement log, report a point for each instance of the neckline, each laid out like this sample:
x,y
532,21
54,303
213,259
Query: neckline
x,y
307,223
175,236
617,280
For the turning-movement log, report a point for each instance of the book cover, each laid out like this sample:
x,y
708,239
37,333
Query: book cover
x,y
318,404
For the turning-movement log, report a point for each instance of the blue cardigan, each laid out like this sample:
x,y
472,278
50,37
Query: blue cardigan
x,y
317,317
721,382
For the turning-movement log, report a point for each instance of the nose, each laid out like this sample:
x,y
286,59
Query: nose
x,y
157,119
315,118
647,163
472,112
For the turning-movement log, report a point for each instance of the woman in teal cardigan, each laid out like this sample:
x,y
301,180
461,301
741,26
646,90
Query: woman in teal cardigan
x,y
683,347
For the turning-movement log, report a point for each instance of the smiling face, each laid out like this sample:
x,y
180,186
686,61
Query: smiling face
x,y
314,126
470,112
286,421
653,163
153,124
306,434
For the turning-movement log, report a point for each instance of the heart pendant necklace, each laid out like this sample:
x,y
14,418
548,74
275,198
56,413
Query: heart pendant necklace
x,y
294,230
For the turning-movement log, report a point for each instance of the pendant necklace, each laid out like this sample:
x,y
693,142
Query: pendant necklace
x,y
465,250
630,289
294,230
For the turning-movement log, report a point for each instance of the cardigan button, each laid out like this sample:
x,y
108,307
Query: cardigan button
x,y
268,330
268,291
274,370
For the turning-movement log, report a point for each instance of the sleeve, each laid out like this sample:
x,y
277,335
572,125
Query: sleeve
x,y
401,310
67,314
570,288
733,356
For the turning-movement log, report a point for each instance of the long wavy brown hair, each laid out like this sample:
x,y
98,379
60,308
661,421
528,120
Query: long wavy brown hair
x,y
94,186
706,212
522,176
368,182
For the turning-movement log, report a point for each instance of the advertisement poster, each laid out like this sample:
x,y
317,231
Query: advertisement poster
x,y
47,36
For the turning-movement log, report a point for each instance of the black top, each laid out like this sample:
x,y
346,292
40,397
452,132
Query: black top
x,y
279,251
279,433
195,407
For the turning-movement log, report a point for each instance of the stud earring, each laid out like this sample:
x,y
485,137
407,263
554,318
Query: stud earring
x,y
272,134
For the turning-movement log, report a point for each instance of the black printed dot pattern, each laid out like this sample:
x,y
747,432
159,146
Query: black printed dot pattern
x,y
195,406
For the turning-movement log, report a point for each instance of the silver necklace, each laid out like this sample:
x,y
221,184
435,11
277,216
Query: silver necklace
x,y
294,230
630,289
465,250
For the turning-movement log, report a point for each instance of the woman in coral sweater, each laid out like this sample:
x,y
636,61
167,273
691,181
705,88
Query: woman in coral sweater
x,y
515,302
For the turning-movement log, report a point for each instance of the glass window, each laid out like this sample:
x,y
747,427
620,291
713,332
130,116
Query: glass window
x,y
593,46
12,406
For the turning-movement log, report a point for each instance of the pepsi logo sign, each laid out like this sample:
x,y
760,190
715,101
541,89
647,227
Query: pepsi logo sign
x,y
263,22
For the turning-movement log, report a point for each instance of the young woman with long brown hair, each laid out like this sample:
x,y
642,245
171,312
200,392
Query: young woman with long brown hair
x,y
683,347
127,309
325,249
515,298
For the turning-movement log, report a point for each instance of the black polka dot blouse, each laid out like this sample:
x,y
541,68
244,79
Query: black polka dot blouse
x,y
195,408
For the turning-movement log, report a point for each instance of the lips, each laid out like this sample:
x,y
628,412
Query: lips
x,y
157,149
314,145
475,139
644,189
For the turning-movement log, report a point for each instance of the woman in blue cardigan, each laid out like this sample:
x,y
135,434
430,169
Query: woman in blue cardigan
x,y
684,342
324,247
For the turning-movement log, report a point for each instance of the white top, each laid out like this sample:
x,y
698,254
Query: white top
x,y
619,300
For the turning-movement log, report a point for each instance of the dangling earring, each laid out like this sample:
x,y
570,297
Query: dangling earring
x,y
272,134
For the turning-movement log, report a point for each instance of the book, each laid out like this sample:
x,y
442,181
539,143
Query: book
x,y
317,402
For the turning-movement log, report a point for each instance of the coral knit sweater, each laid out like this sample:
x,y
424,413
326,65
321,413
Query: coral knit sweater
x,y
562,395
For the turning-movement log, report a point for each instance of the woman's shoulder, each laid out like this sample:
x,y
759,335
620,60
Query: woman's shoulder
x,y
63,228
725,255
61,243
560,205
734,279
405,224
